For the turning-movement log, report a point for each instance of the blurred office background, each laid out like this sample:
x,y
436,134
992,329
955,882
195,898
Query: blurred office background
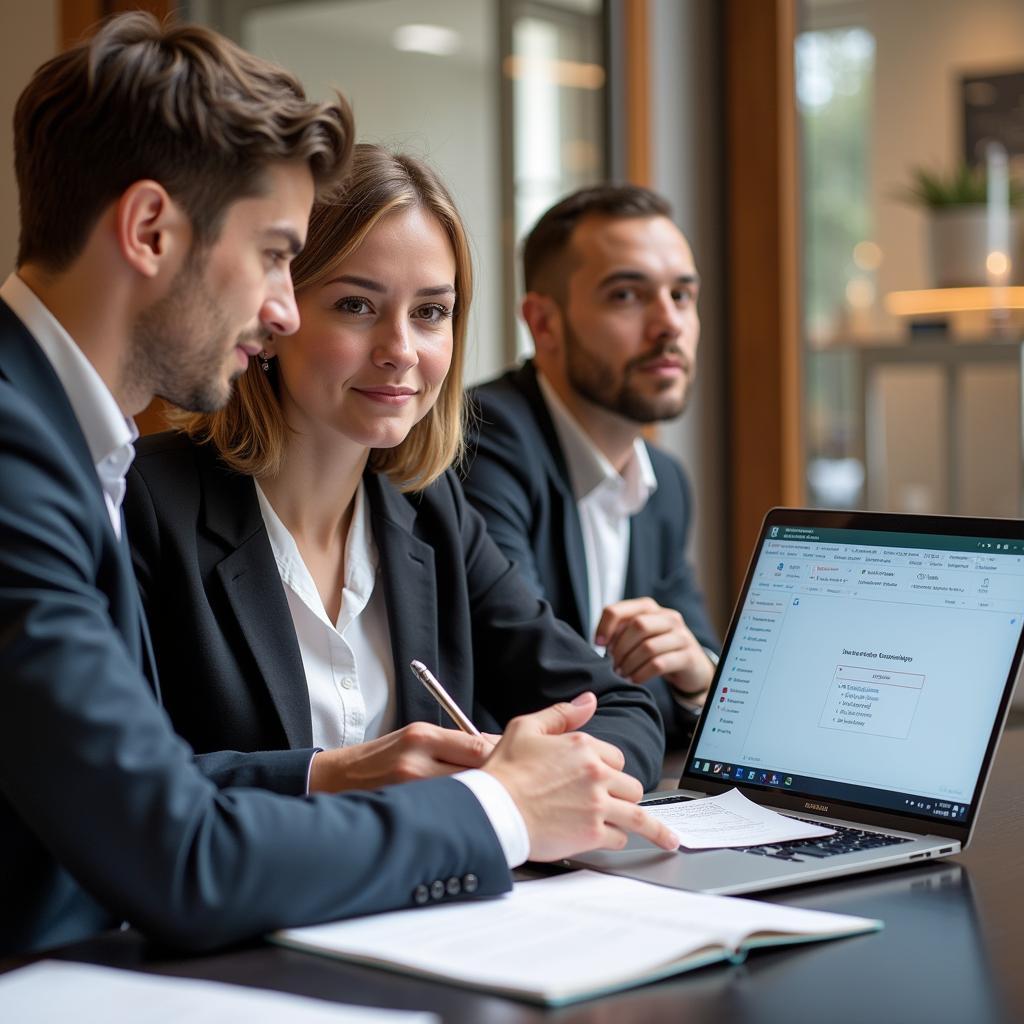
x,y
863,295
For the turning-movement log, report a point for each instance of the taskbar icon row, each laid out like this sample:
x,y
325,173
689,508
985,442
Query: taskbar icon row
x,y
741,773
889,800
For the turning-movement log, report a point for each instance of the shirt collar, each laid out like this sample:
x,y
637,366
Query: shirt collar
x,y
361,556
588,466
108,432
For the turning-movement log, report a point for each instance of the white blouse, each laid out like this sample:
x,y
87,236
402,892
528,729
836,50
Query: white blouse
x,y
350,672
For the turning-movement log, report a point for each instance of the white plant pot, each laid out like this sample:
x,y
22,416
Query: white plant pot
x,y
958,246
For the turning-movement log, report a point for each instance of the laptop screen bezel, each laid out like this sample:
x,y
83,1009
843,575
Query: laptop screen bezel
x,y
883,522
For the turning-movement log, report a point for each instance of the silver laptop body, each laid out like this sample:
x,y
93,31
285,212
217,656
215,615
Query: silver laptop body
x,y
863,685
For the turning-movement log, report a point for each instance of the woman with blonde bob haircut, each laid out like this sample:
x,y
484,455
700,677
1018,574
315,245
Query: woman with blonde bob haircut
x,y
311,541
250,432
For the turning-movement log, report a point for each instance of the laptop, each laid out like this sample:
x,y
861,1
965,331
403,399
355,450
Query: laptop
x,y
863,685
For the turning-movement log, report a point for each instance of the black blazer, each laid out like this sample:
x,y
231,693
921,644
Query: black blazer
x,y
517,478
103,812
207,572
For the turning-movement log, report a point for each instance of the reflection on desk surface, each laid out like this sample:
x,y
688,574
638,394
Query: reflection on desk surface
x,y
929,965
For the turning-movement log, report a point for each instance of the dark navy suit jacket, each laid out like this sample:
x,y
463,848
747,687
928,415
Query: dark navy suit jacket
x,y
104,813
518,479
226,648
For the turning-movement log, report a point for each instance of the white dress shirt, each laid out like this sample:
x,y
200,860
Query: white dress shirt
x,y
349,668
109,434
605,499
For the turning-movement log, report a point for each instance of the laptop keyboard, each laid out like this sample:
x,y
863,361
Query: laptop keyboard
x,y
844,840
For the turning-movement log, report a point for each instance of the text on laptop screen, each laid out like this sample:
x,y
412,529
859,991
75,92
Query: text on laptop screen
x,y
867,666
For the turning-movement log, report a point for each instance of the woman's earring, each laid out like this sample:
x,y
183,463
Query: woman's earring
x,y
264,359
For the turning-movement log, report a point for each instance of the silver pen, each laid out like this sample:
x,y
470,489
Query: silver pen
x,y
441,695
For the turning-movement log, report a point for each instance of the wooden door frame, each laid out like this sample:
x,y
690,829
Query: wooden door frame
x,y
764,354
636,66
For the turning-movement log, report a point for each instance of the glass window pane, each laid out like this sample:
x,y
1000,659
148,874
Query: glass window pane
x,y
911,140
557,75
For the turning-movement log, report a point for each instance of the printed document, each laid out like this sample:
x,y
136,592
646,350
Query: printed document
x,y
730,820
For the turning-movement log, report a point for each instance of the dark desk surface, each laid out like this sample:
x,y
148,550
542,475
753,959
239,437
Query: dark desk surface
x,y
952,951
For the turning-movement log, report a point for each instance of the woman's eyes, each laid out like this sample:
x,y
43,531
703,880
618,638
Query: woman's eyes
x,y
352,304
431,313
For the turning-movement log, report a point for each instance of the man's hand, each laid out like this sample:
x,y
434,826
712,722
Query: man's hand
x,y
417,751
645,640
568,786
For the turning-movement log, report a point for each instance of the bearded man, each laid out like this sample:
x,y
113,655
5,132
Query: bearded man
x,y
595,517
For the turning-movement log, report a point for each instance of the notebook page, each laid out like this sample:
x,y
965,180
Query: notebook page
x,y
579,932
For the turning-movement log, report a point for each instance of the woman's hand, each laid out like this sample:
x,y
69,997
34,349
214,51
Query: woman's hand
x,y
417,751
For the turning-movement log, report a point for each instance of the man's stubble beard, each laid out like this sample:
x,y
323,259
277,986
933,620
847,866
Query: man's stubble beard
x,y
179,345
600,385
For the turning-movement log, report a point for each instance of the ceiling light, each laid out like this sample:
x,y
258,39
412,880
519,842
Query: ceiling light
x,y
433,39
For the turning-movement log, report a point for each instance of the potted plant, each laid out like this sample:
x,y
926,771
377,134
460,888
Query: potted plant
x,y
958,225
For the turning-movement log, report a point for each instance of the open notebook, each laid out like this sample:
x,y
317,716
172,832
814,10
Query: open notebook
x,y
571,937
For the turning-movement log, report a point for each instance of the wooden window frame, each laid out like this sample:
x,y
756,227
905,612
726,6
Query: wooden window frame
x,y
765,395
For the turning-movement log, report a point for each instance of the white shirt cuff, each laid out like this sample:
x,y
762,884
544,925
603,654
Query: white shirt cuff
x,y
309,768
501,811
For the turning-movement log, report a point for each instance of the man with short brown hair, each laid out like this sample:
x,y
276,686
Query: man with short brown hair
x,y
596,518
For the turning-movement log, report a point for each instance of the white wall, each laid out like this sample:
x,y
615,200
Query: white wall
x,y
28,36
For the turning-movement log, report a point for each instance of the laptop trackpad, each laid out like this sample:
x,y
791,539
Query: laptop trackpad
x,y
713,871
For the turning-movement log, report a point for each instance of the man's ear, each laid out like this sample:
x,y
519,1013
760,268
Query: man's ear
x,y
153,232
544,319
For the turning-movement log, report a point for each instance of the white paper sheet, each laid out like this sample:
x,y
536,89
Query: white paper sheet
x,y
730,820
53,990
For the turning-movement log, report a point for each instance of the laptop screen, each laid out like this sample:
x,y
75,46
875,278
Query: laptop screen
x,y
867,666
